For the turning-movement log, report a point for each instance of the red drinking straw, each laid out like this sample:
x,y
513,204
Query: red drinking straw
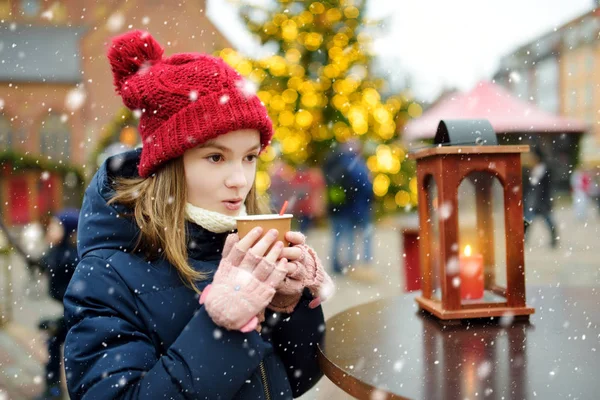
x,y
283,207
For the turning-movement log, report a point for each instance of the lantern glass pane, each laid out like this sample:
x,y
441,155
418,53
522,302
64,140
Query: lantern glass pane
x,y
434,237
481,263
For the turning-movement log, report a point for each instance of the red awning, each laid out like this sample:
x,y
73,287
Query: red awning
x,y
506,113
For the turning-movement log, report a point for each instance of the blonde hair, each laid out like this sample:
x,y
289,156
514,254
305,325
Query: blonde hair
x,y
162,226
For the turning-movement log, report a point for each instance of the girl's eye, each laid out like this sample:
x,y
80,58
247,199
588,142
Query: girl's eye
x,y
215,158
252,157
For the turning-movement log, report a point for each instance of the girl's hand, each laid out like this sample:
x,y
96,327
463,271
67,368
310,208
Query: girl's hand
x,y
305,270
245,281
293,253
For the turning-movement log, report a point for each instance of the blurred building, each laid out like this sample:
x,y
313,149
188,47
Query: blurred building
x,y
557,71
56,91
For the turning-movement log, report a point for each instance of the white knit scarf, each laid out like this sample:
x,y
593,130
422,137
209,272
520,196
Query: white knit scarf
x,y
211,220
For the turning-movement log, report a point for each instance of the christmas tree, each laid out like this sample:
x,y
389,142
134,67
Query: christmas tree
x,y
319,90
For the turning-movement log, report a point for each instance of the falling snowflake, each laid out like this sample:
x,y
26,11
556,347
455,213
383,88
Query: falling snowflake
x,y
224,99
144,68
75,99
45,175
247,87
378,394
217,334
115,22
515,76
116,162
327,290
453,266
137,113
145,20
78,286
399,365
507,319
456,282
193,95
1,103
484,369
445,210
48,15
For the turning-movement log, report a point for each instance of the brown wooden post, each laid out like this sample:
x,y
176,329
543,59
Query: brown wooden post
x,y
448,197
424,232
513,221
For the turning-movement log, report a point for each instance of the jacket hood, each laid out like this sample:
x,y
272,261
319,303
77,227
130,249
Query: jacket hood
x,y
100,225
106,226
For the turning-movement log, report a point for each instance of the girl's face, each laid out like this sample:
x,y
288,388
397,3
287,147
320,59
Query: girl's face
x,y
220,172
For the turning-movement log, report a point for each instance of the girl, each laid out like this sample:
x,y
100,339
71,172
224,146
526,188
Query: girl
x,y
155,233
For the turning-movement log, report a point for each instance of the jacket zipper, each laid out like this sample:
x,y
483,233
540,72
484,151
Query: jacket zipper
x,y
263,375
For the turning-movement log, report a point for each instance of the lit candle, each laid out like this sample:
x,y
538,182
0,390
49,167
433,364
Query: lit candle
x,y
471,275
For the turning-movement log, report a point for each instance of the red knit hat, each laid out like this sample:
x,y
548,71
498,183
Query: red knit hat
x,y
185,99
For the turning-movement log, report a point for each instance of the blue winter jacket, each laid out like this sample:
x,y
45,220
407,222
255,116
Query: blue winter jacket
x,y
137,332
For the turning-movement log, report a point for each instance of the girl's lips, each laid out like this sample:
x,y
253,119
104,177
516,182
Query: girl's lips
x,y
233,205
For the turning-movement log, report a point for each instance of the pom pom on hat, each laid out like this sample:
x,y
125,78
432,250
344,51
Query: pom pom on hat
x,y
129,52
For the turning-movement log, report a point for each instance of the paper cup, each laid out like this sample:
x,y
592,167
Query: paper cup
x,y
282,223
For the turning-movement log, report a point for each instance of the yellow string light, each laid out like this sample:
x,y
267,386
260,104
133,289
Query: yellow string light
x,y
263,182
415,110
303,118
381,185
317,8
289,30
351,12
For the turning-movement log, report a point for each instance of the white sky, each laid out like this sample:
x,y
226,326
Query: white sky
x,y
439,42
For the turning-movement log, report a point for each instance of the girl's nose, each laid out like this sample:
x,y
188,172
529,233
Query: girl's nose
x,y
236,178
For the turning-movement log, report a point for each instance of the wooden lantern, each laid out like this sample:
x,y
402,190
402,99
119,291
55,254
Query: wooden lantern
x,y
467,151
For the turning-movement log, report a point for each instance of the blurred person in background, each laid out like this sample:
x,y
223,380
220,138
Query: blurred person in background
x,y
350,210
540,196
309,186
58,263
581,186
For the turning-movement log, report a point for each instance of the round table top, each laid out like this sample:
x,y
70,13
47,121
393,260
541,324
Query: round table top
x,y
389,349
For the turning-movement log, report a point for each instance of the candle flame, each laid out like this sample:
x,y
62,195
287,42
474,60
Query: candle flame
x,y
467,250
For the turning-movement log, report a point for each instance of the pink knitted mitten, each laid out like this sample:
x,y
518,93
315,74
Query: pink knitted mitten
x,y
307,272
243,286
